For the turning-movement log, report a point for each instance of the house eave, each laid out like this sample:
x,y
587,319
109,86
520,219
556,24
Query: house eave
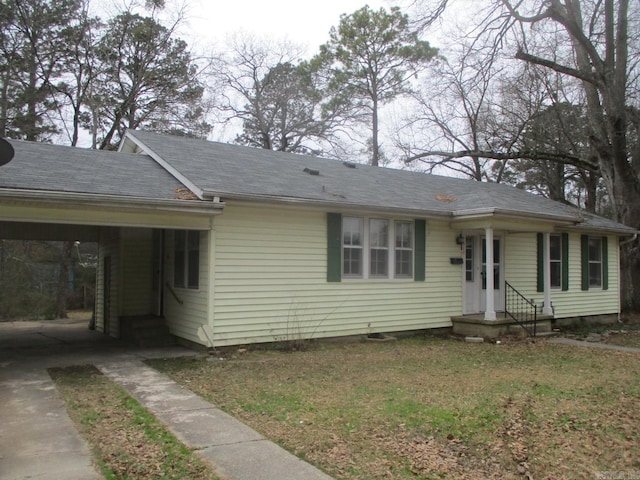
x,y
625,232
323,204
64,199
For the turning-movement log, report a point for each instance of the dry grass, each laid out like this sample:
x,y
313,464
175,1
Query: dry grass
x,y
435,408
626,339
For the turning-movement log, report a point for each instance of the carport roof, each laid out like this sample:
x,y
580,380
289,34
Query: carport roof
x,y
54,168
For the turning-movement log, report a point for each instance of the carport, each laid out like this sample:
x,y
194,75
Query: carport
x,y
124,202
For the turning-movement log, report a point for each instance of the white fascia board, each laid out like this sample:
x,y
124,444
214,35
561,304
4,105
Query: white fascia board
x,y
141,147
473,213
110,201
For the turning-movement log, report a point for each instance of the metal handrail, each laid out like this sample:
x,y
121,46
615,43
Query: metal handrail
x,y
174,294
522,310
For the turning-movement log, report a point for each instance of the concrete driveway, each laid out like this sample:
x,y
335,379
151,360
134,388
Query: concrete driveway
x,y
37,437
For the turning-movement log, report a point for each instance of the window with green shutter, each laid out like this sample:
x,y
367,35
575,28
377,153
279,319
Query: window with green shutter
x,y
374,248
595,262
558,261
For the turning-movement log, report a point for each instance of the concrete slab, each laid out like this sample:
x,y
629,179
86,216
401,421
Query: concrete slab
x,y
261,459
38,439
151,388
54,466
206,428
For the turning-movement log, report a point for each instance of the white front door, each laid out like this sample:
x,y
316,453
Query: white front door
x,y
475,298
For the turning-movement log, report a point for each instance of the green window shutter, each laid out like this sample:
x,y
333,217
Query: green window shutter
x,y
565,261
334,247
584,254
540,268
419,257
605,263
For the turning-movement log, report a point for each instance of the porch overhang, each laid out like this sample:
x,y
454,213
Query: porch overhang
x,y
509,221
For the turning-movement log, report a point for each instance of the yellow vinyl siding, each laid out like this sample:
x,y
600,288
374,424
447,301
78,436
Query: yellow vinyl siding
x,y
595,301
271,282
521,271
520,264
109,247
184,319
136,270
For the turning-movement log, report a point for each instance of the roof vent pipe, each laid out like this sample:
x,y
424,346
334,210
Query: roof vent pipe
x,y
311,171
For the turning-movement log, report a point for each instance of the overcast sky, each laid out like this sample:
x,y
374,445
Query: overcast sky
x,y
301,22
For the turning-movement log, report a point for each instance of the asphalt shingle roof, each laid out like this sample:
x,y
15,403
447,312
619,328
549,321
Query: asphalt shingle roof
x,y
46,167
231,170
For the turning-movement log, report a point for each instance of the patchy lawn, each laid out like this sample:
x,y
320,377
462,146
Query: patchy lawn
x,y
435,408
127,441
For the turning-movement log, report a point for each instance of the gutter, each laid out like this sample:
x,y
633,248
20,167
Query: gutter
x,y
318,203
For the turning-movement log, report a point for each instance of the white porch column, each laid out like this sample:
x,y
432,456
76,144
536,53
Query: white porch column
x,y
546,268
489,312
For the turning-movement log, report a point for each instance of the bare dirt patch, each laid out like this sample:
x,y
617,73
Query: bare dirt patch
x,y
435,408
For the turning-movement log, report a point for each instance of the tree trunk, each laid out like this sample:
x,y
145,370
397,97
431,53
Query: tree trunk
x,y
607,113
630,276
375,148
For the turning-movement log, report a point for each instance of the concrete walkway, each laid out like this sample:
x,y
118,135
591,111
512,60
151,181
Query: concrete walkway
x,y
236,451
602,346
38,439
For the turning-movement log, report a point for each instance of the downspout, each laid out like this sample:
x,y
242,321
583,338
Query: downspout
x,y
628,240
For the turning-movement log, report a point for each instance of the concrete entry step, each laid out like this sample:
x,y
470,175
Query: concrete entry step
x,y
477,326
146,331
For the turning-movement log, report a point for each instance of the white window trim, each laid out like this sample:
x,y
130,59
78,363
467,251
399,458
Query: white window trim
x,y
599,262
391,277
186,251
396,249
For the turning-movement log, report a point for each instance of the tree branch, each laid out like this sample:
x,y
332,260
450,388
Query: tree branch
x,y
520,55
521,18
519,155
